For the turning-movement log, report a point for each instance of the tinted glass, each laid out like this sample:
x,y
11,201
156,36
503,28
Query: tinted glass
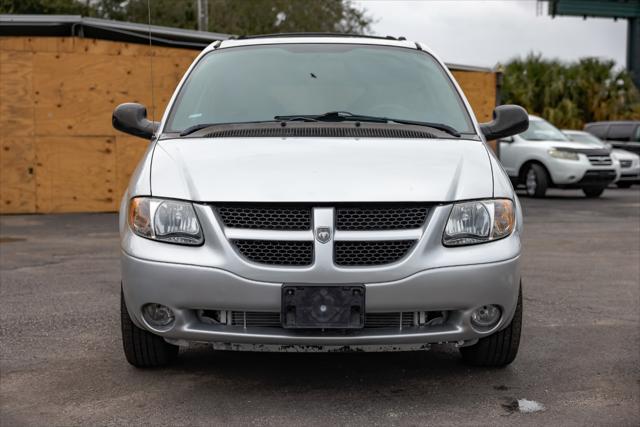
x,y
256,83
620,132
598,130
540,130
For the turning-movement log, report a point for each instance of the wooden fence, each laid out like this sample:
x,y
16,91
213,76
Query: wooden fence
x,y
59,152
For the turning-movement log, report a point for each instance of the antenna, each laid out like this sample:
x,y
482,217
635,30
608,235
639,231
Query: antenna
x,y
153,100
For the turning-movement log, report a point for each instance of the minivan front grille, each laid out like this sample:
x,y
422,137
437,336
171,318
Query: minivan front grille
x,y
380,218
284,234
276,252
265,217
370,252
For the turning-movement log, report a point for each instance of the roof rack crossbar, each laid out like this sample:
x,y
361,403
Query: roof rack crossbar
x,y
313,34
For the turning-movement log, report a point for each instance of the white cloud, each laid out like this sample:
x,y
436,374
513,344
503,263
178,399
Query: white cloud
x,y
485,32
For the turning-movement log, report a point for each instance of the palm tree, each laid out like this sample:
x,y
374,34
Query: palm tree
x,y
570,95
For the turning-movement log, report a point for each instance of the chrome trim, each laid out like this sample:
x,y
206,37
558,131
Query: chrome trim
x,y
257,234
380,235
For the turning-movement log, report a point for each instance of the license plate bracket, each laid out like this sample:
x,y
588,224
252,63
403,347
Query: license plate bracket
x,y
323,307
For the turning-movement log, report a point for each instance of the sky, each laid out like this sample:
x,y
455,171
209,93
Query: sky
x,y
487,32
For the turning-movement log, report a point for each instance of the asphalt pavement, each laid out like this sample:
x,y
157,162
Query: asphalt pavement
x,y
579,362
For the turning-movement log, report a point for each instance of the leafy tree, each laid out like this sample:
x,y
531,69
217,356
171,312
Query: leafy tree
x,y
225,16
244,16
570,95
60,7
274,16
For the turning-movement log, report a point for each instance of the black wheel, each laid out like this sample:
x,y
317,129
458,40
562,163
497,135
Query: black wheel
x,y
499,349
536,180
624,184
142,348
593,192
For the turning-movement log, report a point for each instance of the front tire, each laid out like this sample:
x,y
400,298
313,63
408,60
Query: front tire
x,y
593,192
142,348
500,349
536,180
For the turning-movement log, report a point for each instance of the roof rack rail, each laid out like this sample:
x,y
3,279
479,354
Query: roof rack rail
x,y
311,34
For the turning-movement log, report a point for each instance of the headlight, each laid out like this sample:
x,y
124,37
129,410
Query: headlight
x,y
165,220
563,154
478,222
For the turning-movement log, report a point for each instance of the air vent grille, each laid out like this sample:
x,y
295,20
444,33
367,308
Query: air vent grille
x,y
324,132
265,217
383,218
276,252
364,253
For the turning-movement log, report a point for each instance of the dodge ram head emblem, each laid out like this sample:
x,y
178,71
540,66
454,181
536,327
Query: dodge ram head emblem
x,y
323,234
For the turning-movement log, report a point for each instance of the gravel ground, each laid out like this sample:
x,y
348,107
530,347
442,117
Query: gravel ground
x,y
579,362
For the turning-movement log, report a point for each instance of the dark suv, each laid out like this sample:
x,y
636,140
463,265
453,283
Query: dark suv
x,y
620,134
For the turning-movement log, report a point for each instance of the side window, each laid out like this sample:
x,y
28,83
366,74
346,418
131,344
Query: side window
x,y
637,137
597,130
620,132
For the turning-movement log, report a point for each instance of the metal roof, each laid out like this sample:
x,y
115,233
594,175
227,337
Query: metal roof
x,y
76,25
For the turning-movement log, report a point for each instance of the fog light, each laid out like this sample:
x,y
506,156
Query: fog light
x,y
485,316
158,315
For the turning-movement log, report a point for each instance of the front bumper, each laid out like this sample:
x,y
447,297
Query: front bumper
x,y
630,174
581,173
188,288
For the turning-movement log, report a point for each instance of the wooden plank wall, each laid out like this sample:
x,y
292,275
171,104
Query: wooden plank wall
x,y
58,151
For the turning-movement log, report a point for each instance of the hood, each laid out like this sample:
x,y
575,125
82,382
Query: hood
x,y
574,145
624,154
320,170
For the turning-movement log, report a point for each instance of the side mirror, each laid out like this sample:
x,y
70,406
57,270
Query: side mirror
x,y
507,120
131,118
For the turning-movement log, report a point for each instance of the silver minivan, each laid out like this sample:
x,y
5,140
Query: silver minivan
x,y
320,193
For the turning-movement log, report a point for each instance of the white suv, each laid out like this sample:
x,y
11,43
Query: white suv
x,y
629,162
544,157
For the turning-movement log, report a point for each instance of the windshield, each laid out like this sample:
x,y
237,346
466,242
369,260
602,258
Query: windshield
x,y
584,137
258,83
540,130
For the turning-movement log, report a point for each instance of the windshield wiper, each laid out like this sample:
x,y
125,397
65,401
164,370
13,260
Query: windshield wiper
x,y
333,116
343,116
